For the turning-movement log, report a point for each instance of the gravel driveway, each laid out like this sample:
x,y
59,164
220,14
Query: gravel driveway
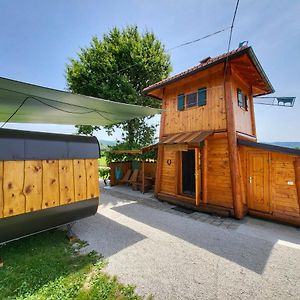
x,y
174,255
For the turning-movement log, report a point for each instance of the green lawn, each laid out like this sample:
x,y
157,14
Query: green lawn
x,y
48,266
102,162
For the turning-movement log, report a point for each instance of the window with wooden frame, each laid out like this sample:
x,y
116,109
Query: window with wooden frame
x,y
191,100
242,99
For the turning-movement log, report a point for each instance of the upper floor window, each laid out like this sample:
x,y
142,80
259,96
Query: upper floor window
x,y
191,100
242,99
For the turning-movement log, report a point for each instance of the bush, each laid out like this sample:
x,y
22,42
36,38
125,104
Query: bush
x,y
120,157
104,173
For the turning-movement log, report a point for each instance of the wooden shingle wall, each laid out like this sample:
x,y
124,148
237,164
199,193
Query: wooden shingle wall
x,y
27,186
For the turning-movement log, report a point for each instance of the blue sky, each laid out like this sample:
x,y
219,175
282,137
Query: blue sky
x,y
38,37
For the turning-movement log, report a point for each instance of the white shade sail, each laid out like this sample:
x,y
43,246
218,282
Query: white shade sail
x,y
39,104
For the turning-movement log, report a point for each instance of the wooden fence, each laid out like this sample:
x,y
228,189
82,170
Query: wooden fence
x,y
149,169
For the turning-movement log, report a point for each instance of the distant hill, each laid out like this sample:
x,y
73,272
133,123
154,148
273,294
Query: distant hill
x,y
286,144
107,143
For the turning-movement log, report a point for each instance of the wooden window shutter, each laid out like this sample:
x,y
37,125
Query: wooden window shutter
x,y
180,102
202,97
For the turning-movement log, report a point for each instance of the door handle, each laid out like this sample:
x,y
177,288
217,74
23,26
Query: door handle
x,y
250,179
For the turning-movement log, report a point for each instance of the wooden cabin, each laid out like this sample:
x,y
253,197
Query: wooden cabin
x,y
46,180
208,155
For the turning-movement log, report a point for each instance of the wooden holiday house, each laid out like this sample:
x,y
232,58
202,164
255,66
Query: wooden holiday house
x,y
208,155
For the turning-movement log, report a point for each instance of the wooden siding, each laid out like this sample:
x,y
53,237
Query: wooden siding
x,y
1,189
150,169
212,116
168,181
243,118
282,182
219,190
283,186
27,186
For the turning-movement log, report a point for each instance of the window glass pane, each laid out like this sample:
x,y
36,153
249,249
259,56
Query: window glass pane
x,y
240,98
191,100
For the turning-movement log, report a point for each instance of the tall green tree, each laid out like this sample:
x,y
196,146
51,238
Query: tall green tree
x,y
117,68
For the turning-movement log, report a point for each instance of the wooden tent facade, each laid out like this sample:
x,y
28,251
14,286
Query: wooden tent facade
x,y
208,155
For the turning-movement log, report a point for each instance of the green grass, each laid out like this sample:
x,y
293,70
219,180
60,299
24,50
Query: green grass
x,y
102,162
48,266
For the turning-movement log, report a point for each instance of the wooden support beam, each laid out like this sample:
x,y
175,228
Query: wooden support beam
x,y
197,176
251,107
162,116
177,172
160,153
143,177
204,171
243,187
232,148
245,136
297,178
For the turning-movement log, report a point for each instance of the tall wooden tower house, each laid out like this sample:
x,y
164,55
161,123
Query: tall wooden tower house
x,y
208,155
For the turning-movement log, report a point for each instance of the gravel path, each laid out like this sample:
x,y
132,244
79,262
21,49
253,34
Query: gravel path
x,y
173,255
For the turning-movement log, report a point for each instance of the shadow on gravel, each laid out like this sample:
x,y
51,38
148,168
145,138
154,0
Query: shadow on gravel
x,y
249,252
106,234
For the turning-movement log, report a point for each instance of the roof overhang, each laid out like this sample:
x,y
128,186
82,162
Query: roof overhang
x,y
46,105
195,137
229,57
269,147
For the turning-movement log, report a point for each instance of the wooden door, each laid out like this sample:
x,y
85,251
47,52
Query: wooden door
x,y
258,182
188,172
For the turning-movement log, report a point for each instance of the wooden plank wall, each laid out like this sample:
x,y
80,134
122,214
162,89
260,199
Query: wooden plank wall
x,y
243,118
219,190
150,169
212,116
168,180
27,186
283,191
283,196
